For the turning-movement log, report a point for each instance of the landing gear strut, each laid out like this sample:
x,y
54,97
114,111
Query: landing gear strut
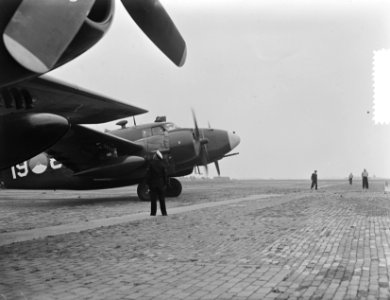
x,y
174,189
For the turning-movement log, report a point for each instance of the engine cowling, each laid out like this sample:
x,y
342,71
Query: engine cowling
x,y
94,27
23,136
183,148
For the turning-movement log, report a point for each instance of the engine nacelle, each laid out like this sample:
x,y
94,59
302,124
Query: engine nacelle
x,y
23,136
120,167
95,25
182,146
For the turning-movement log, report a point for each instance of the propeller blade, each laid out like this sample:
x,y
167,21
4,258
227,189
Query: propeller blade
x,y
204,155
154,21
200,142
231,154
217,167
41,30
196,128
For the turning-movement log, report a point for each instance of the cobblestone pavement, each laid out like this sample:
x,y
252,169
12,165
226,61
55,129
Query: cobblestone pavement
x,y
326,244
28,209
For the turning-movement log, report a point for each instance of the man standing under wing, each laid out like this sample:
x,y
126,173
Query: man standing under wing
x,y
157,180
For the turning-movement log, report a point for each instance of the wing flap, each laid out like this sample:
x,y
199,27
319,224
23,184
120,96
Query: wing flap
x,y
83,148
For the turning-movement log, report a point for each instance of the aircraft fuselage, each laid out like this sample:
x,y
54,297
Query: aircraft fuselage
x,y
177,144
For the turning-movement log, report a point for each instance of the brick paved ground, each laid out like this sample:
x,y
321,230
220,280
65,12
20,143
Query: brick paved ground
x,y
26,209
330,244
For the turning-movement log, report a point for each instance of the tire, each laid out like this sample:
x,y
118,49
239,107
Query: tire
x,y
143,192
174,188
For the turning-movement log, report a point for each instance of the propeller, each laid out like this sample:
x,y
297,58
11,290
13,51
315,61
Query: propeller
x,y
155,22
202,146
231,154
217,167
40,31
200,143
197,170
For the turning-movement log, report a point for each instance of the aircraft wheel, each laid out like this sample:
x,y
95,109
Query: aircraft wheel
x,y
174,188
143,192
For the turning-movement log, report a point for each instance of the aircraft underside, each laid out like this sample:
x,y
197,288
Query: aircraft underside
x,y
50,174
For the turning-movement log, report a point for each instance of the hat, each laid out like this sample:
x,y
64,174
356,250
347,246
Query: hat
x,y
158,155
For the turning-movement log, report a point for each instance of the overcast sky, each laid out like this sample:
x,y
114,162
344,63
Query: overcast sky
x,y
292,78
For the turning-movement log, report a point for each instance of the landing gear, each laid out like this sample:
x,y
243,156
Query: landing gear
x,y
174,189
143,192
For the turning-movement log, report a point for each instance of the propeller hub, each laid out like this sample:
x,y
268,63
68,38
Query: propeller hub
x,y
203,141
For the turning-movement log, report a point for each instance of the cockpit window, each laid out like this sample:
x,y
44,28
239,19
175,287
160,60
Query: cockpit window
x,y
170,126
157,130
146,132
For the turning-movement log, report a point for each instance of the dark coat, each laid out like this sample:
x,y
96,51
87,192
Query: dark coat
x,y
156,174
314,177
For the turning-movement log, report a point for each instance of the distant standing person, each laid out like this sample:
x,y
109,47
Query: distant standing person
x,y
365,179
314,180
350,177
157,180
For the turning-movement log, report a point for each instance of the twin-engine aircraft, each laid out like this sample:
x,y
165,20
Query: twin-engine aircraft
x,y
89,159
41,35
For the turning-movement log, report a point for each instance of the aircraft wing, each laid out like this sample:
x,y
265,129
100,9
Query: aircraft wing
x,y
84,149
78,105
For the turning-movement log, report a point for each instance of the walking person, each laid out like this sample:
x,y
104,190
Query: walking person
x,y
350,177
314,180
365,179
157,180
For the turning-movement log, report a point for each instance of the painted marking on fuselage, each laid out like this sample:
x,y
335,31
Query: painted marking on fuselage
x,y
36,165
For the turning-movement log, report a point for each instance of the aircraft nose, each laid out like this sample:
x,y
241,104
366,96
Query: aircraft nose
x,y
234,140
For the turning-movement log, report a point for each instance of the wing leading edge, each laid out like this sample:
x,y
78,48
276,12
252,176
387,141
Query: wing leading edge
x,y
83,149
79,106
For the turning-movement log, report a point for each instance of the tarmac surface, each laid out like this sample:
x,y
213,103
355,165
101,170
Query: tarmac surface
x,y
221,240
